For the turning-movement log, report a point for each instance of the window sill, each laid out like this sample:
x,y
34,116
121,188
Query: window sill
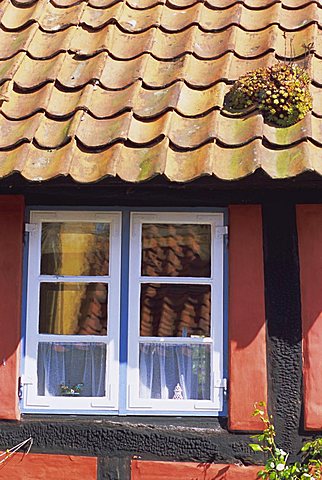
x,y
168,423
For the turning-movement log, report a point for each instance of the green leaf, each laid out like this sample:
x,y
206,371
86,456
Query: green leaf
x,y
255,447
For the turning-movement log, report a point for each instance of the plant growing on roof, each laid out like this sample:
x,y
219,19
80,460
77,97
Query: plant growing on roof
x,y
281,92
277,466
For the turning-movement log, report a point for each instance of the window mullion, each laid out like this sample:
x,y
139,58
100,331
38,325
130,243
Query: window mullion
x,y
178,340
42,337
177,280
75,279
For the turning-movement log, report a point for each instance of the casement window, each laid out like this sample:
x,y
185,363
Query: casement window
x,y
176,312
71,361
173,310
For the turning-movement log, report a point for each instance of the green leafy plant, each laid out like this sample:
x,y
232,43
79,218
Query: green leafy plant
x,y
277,465
280,92
74,390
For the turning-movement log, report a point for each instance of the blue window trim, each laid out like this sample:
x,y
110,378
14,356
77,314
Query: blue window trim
x,y
123,352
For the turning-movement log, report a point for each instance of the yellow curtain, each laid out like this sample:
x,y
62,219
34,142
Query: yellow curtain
x,y
75,248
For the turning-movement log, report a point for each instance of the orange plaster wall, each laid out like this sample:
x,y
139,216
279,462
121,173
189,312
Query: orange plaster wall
x,y
309,225
11,246
144,470
49,467
247,329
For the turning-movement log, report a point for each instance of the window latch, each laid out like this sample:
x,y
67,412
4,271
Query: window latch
x,y
221,231
221,383
31,227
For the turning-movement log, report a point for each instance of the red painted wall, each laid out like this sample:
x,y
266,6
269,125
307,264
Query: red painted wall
x,y
144,470
49,467
309,224
11,245
247,330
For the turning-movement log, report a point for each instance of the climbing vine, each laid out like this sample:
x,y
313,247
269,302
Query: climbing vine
x,y
278,466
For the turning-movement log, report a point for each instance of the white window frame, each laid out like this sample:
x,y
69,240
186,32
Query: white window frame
x,y
216,281
32,402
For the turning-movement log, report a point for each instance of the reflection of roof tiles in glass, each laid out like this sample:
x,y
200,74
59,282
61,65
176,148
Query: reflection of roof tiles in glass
x,y
175,251
136,88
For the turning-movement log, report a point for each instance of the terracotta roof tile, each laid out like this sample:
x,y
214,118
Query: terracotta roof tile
x,y
98,18
106,131
13,132
193,129
13,42
31,73
136,88
54,134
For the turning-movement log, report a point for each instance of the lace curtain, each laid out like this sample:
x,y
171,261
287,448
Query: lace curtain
x,y
70,364
164,367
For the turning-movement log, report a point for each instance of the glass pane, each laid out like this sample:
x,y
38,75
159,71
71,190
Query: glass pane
x,y
176,250
178,372
71,369
73,308
75,249
169,310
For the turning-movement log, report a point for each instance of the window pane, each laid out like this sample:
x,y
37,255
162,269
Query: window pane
x,y
73,308
176,250
75,249
178,372
71,369
169,310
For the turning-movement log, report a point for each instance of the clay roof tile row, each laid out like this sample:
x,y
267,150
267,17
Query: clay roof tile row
x,y
52,19
161,45
136,88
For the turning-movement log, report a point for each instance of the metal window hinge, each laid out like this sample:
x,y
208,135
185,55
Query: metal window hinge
x,y
221,383
22,382
221,231
20,388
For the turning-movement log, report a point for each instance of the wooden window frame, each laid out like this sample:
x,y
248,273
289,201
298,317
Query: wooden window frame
x,y
215,281
61,404
246,287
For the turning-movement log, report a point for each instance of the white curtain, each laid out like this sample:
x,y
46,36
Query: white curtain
x,y
71,364
165,366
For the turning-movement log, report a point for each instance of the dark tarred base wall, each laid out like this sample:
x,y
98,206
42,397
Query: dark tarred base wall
x,y
283,316
115,441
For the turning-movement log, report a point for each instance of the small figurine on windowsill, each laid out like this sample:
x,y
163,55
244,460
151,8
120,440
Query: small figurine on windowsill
x,y
178,392
73,391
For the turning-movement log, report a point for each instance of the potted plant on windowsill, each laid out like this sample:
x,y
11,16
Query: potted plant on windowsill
x,y
73,391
